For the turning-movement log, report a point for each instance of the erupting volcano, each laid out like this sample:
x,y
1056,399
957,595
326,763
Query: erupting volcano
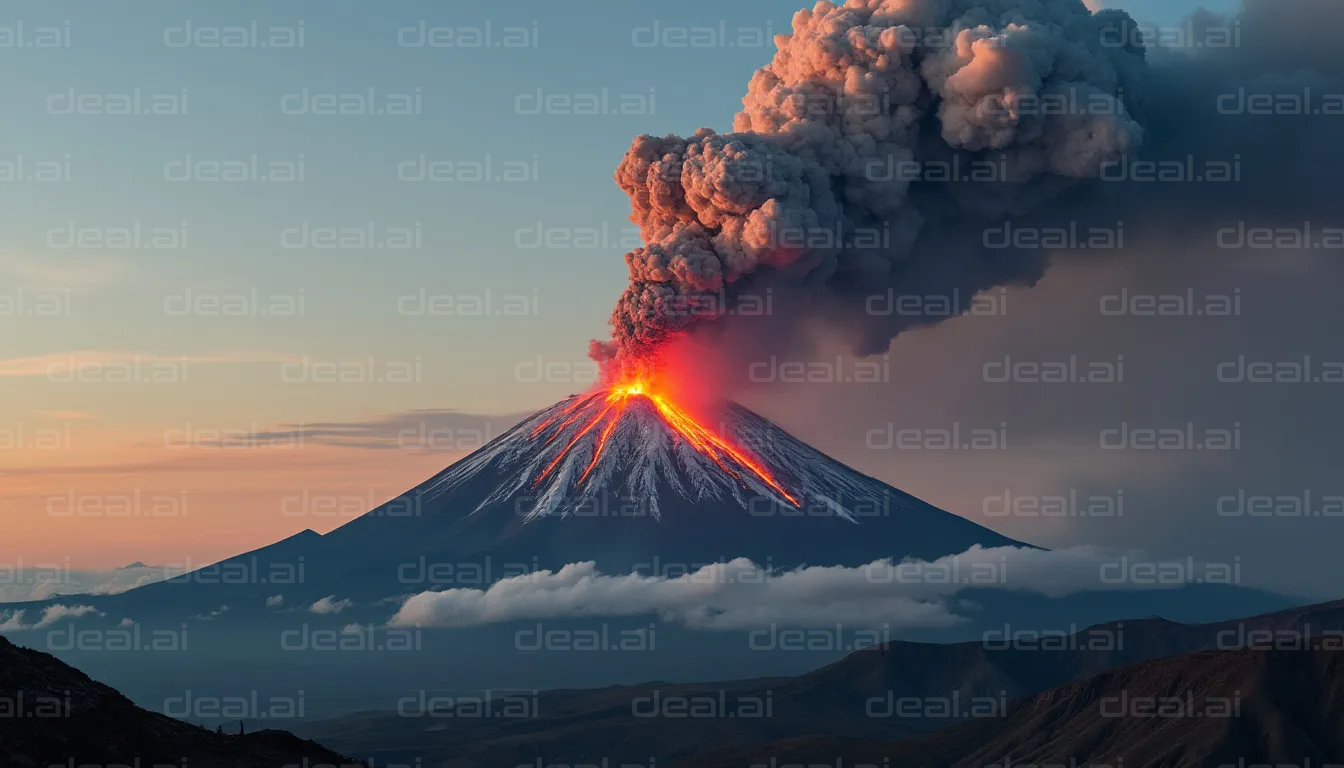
x,y
631,438
794,201
639,451
790,200
639,471
610,406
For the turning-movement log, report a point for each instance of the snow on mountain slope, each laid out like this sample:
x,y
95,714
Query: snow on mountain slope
x,y
642,458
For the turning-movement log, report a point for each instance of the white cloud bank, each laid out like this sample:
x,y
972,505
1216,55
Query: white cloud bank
x,y
13,622
43,582
739,594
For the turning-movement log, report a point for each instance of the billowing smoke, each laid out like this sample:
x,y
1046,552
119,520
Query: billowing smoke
x,y
817,191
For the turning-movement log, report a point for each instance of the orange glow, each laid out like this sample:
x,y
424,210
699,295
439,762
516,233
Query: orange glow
x,y
572,411
618,398
601,444
586,429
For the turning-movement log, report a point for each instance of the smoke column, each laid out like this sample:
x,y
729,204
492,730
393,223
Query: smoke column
x,y
817,191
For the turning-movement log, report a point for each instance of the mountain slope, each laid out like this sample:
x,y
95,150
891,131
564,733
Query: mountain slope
x,y
1243,707
54,714
650,502
1034,662
644,448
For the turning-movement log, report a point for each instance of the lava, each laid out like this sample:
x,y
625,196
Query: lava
x,y
611,405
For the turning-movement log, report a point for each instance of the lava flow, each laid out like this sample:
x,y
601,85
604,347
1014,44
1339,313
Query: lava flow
x,y
606,407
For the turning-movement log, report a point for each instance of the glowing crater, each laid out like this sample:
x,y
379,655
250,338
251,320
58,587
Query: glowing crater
x,y
605,408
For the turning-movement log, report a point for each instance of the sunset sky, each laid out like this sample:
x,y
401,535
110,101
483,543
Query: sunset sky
x,y
362,345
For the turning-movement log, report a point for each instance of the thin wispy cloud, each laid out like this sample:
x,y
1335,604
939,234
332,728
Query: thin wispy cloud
x,y
426,430
206,458
78,276
61,363
66,415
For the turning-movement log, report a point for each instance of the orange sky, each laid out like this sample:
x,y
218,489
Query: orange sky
x,y
111,496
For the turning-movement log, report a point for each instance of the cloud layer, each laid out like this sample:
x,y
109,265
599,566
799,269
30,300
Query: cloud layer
x,y
14,622
740,594
41,583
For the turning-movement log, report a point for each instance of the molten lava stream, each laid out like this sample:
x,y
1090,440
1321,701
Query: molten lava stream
x,y
586,429
601,444
571,410
705,441
619,398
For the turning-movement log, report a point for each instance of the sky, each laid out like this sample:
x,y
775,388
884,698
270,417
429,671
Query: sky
x,y
279,384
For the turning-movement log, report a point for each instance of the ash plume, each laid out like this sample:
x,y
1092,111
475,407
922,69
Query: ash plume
x,y
816,191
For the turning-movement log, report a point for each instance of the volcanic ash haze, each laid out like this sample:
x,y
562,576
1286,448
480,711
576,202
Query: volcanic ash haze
x,y
803,193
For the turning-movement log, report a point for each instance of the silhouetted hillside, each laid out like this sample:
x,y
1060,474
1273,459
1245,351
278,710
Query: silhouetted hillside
x,y
53,714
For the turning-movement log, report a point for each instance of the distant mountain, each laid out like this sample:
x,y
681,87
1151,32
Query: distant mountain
x,y
1235,708
1018,662
53,714
895,691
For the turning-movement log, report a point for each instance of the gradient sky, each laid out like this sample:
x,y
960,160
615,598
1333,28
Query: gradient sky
x,y
103,441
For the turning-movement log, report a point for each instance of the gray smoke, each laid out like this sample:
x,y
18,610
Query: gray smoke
x,y
819,193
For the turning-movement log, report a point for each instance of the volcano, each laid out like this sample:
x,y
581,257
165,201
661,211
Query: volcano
x,y
629,479
640,446
623,477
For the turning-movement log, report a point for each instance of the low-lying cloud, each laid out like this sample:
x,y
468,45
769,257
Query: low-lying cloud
x,y
212,615
14,622
740,594
329,605
40,582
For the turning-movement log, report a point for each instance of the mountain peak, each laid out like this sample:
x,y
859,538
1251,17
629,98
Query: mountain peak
x,y
640,448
